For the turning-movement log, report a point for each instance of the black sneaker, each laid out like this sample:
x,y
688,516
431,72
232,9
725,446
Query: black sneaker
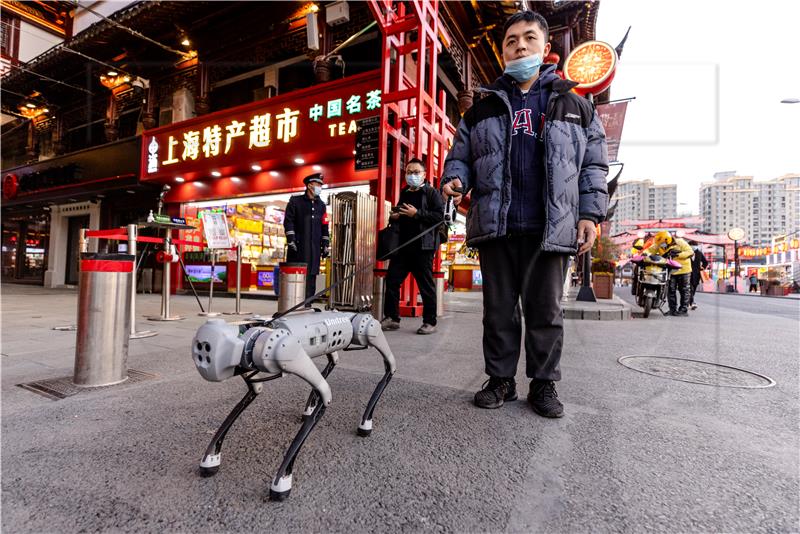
x,y
682,312
496,391
544,399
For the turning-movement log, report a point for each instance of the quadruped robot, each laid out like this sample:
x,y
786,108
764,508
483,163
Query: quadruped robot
x,y
286,344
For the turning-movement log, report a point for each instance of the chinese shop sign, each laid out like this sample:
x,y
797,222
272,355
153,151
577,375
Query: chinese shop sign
x,y
280,126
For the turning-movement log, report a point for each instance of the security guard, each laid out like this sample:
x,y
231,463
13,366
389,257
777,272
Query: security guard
x,y
678,249
306,228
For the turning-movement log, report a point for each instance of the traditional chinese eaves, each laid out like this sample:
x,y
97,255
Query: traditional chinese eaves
x,y
478,26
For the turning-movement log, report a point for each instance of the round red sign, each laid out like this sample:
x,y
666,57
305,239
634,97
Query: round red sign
x,y
592,64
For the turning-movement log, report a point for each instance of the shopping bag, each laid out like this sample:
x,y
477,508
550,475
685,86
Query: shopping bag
x,y
388,240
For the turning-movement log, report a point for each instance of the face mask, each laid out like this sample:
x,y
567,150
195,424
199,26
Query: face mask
x,y
317,190
414,180
524,68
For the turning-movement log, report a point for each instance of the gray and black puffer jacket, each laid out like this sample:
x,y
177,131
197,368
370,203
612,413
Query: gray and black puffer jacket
x,y
576,164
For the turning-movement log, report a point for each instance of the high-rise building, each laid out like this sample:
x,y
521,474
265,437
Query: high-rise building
x,y
763,209
642,199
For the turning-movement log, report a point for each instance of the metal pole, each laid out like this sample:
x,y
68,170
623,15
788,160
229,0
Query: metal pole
x,y
132,251
132,234
209,313
165,286
238,278
239,283
735,266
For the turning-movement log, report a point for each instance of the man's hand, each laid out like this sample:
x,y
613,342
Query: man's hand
x,y
587,233
326,251
449,190
394,216
407,209
292,246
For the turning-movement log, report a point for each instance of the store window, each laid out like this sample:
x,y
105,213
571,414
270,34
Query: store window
x,y
257,223
11,240
24,248
34,259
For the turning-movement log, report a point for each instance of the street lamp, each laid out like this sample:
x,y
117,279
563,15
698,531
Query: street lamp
x,y
736,235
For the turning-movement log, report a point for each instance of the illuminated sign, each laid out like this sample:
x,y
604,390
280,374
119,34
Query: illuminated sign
x,y
592,65
276,128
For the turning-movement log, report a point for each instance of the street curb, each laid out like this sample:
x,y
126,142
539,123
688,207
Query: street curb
x,y
614,309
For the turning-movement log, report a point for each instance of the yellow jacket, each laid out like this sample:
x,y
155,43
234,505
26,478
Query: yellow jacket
x,y
683,256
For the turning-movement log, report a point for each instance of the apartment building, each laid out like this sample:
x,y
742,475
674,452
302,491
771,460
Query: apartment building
x,y
642,199
763,209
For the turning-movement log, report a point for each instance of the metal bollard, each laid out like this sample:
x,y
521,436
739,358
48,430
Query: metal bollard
x,y
378,292
101,349
292,290
438,278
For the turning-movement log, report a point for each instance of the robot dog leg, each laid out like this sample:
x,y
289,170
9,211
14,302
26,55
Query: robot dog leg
x,y
213,455
367,332
313,397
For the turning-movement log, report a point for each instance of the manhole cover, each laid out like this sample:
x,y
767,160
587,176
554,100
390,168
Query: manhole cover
x,y
61,388
696,372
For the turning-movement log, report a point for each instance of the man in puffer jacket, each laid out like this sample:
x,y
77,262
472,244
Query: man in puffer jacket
x,y
534,157
679,250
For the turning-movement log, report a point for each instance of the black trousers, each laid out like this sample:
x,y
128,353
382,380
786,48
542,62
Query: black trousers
x,y
679,283
694,290
420,264
514,286
311,284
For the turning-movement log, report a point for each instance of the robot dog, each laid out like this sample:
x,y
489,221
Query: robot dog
x,y
286,344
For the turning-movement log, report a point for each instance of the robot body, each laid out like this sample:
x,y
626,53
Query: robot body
x,y
286,345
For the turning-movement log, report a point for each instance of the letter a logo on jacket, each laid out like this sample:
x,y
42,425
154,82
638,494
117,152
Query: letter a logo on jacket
x,y
522,119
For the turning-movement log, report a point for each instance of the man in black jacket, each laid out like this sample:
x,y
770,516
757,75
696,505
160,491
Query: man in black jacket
x,y
699,263
419,208
306,227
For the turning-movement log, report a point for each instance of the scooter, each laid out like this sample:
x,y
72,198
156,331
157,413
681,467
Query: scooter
x,y
652,280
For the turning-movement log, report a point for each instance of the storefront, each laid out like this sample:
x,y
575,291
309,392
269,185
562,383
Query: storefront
x,y
25,237
247,161
45,205
460,263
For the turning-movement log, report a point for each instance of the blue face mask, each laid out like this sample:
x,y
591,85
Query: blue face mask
x,y
317,190
414,180
524,68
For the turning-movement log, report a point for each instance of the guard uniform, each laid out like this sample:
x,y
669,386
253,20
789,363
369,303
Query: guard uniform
x,y
306,225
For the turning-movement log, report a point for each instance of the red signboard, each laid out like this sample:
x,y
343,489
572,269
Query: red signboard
x,y
312,125
613,118
10,186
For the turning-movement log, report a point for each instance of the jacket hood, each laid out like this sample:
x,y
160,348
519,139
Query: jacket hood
x,y
547,77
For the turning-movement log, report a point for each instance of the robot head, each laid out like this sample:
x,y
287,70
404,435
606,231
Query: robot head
x,y
663,239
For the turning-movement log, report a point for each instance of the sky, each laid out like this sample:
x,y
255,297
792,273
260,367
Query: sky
x,y
708,77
